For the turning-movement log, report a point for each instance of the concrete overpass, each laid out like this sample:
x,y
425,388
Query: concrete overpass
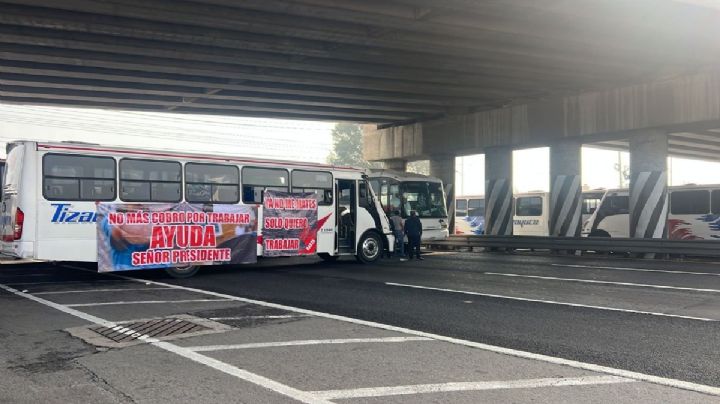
x,y
434,78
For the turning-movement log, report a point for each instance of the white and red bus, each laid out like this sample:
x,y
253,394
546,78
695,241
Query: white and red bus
x,y
51,191
693,214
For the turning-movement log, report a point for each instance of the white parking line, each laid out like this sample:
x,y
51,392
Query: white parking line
x,y
681,384
208,348
664,271
145,302
61,292
525,299
3,275
468,386
93,281
242,374
281,316
640,285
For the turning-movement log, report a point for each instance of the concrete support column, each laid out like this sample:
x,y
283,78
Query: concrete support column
x,y
565,189
498,191
648,184
395,165
443,167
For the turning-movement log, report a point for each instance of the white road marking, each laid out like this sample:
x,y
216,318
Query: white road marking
x,y
281,316
145,302
61,292
20,261
3,275
525,299
681,384
208,348
640,285
665,271
62,282
468,386
242,374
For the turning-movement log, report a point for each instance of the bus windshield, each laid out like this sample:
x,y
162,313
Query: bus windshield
x,y
426,198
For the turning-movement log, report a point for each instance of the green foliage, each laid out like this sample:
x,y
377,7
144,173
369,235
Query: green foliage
x,y
347,146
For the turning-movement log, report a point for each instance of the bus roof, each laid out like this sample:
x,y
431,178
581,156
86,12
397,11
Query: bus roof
x,y
80,147
401,176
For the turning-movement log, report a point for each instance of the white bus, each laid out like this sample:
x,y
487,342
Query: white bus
x,y
51,190
406,192
470,215
694,214
532,211
531,214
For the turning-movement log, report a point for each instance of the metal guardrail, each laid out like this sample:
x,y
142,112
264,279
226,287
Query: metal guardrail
x,y
705,248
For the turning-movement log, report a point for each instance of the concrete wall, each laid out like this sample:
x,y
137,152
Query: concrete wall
x,y
675,103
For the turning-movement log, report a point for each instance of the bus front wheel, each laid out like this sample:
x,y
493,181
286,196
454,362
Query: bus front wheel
x,y
369,248
182,272
327,257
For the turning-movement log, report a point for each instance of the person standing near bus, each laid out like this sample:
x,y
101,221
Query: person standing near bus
x,y
413,229
399,232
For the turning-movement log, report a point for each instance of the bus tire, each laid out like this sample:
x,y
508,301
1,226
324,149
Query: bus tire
x,y
599,233
328,258
182,272
370,248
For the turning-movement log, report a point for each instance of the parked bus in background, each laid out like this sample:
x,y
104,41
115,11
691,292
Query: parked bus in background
x,y
532,211
406,192
693,214
51,190
531,215
470,215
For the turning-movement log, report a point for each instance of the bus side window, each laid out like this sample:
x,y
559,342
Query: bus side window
x,y
716,202
461,206
255,180
70,177
318,182
476,207
364,195
150,180
690,202
528,206
212,183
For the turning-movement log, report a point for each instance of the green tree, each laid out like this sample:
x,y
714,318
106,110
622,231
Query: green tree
x,y
348,146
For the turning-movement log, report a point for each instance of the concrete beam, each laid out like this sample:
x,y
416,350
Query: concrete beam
x,y
589,117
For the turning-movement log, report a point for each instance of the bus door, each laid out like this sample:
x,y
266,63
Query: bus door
x,y
11,217
346,215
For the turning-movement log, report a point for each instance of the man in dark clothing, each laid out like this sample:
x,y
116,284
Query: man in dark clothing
x,y
413,229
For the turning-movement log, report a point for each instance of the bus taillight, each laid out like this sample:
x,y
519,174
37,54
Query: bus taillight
x,y
19,221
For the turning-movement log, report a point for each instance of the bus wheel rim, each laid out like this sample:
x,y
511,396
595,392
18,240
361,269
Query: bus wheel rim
x,y
370,247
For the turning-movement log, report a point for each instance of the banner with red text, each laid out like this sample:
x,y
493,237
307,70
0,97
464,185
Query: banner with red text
x,y
290,223
145,236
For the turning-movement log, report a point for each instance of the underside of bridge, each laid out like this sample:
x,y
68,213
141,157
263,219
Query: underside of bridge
x,y
389,63
377,61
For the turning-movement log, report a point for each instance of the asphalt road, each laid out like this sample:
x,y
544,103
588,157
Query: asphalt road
x,y
408,332
674,347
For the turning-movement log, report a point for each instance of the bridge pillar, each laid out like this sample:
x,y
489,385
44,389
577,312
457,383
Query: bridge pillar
x,y
648,184
443,167
395,165
498,191
565,188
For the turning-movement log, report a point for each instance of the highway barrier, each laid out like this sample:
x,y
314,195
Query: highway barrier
x,y
703,248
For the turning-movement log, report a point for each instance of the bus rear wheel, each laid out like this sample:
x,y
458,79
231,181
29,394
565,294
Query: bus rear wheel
x,y
369,248
182,272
